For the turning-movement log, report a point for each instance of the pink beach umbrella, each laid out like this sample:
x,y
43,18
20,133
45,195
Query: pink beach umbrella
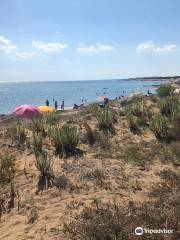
x,y
102,98
27,111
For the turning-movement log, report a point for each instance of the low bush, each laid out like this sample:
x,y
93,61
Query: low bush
x,y
102,222
89,136
17,132
132,121
105,118
98,175
159,127
165,90
140,154
170,106
116,222
52,118
137,107
61,182
64,139
137,113
38,126
92,108
7,167
37,143
44,165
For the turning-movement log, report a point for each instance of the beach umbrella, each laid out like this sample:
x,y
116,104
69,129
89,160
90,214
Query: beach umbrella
x,y
46,109
27,111
102,98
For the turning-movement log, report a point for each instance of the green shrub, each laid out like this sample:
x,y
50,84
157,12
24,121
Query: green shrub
x,y
165,90
96,174
165,106
92,108
90,134
102,222
52,118
65,139
138,113
131,120
37,143
159,127
114,116
44,165
105,119
17,133
38,126
170,106
7,167
137,108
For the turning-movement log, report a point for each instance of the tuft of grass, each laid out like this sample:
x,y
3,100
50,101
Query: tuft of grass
x,y
170,106
38,126
90,134
159,126
165,90
37,143
137,107
7,167
137,113
116,222
64,139
140,154
33,215
98,175
100,222
106,119
17,132
61,182
132,121
171,177
92,109
52,118
44,165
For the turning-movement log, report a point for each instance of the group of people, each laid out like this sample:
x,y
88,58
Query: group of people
x,y
82,105
56,104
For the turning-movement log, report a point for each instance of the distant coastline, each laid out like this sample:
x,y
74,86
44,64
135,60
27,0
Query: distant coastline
x,y
156,78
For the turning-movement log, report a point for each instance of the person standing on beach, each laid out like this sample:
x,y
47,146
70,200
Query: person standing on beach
x,y
85,100
62,105
56,105
47,102
82,103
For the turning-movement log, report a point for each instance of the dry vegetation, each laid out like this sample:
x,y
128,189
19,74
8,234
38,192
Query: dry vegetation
x,y
93,174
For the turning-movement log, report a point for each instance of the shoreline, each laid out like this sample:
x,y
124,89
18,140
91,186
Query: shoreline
x,y
155,83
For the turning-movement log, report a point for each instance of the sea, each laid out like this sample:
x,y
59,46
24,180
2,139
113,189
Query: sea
x,y
13,94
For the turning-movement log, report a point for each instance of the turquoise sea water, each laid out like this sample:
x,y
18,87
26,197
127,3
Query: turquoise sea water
x,y
36,93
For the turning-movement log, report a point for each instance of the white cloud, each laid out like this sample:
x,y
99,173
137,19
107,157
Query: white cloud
x,y
86,49
28,55
151,47
93,48
104,47
167,48
48,47
6,45
8,48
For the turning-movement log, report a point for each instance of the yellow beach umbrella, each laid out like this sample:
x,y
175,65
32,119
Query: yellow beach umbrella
x,y
46,109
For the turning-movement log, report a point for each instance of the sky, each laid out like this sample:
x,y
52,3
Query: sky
x,y
59,40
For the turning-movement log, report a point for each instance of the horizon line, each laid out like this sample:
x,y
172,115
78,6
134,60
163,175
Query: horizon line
x,y
105,79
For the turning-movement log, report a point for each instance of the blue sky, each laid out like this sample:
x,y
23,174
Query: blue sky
x,y
88,39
